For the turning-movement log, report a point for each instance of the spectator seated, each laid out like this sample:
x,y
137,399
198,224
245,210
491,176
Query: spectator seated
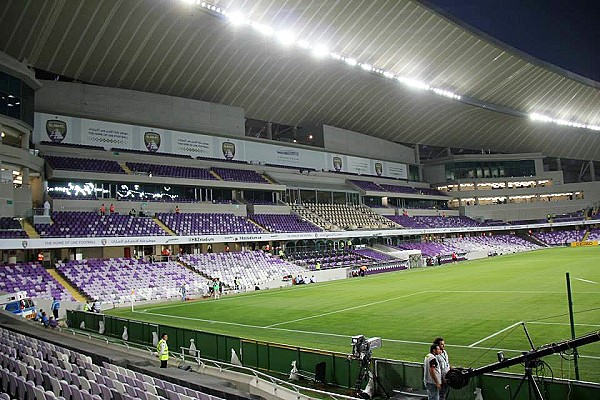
x,y
251,268
189,224
278,223
114,279
84,164
90,224
32,278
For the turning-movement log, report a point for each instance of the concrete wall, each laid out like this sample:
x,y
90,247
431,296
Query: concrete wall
x,y
140,108
348,142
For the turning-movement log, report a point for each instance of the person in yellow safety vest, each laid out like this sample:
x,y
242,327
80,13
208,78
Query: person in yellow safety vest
x,y
163,350
318,265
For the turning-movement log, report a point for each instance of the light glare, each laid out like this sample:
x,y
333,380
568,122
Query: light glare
x,y
320,51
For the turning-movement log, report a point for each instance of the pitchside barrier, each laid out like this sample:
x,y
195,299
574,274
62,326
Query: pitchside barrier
x,y
339,370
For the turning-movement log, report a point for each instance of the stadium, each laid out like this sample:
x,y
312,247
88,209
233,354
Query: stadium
x,y
302,197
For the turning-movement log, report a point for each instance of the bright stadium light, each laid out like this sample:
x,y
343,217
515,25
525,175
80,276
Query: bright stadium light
x,y
413,83
563,122
366,67
388,74
303,44
262,29
285,37
351,62
237,19
320,51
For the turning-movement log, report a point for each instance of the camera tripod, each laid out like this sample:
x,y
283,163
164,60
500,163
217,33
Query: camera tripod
x,y
365,374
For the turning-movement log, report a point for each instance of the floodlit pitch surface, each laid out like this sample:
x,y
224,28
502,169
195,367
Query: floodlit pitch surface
x,y
476,306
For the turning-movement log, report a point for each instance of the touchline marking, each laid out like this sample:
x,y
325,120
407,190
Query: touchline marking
x,y
495,334
562,323
339,335
585,280
345,309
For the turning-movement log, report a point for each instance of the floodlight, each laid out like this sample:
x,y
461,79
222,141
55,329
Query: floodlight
x,y
351,61
388,74
366,67
285,37
320,51
413,83
237,18
263,29
304,44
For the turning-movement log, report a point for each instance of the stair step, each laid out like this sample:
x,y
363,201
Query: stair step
x,y
70,288
126,168
29,229
164,227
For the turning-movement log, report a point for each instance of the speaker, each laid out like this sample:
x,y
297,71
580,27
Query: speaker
x,y
320,371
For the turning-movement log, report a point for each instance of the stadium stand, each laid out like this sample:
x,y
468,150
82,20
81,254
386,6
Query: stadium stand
x,y
172,171
113,280
32,278
205,224
283,223
10,228
346,216
35,369
84,165
252,268
239,175
559,238
90,224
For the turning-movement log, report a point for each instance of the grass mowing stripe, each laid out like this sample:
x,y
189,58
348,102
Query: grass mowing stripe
x,y
585,280
347,309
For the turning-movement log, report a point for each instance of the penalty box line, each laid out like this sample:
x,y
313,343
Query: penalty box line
x,y
337,335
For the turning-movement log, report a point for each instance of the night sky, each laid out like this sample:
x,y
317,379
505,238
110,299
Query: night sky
x,y
565,33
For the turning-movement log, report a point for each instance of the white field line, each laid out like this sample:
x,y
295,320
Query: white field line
x,y
562,323
346,309
336,334
588,281
495,334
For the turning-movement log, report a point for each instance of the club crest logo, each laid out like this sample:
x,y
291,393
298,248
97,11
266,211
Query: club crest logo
x,y
228,149
337,163
56,130
103,241
24,244
378,168
152,141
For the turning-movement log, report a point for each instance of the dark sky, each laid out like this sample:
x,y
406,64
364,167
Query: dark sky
x,y
565,33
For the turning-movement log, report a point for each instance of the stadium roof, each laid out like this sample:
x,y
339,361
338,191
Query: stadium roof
x,y
185,49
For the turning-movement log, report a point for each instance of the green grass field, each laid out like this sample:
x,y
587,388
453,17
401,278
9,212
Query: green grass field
x,y
474,305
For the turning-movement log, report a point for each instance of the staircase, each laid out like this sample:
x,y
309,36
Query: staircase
x,y
163,226
268,179
29,229
585,237
213,173
125,168
70,288
532,239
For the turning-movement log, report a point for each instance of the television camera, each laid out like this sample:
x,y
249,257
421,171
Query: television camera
x,y
362,350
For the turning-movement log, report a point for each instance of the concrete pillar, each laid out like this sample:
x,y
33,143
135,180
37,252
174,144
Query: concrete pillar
x,y
25,140
294,133
270,130
25,174
592,171
417,154
420,169
448,151
558,164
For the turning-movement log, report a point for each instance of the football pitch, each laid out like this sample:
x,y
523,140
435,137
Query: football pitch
x,y
477,306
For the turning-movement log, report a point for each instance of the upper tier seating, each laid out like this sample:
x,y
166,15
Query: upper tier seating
x,y
239,175
560,237
345,216
90,224
398,189
32,278
10,228
112,280
278,223
367,185
594,235
174,171
250,267
430,222
35,369
189,224
84,164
